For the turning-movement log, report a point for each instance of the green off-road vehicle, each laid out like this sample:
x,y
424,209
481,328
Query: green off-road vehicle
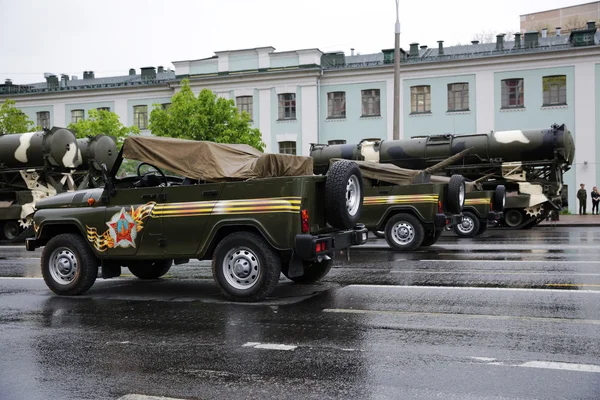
x,y
253,214
483,208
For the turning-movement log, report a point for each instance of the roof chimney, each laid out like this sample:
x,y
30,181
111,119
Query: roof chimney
x,y
518,40
131,71
440,47
558,31
591,25
424,47
160,69
52,81
148,73
500,42
414,50
474,41
91,74
544,33
352,51
531,39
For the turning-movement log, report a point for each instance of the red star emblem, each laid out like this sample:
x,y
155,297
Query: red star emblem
x,y
122,229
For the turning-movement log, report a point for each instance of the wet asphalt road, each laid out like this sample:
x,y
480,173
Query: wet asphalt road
x,y
512,315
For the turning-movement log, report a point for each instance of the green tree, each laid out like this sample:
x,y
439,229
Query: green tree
x,y
206,117
102,122
13,120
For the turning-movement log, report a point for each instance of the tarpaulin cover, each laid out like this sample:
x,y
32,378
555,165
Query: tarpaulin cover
x,y
385,172
213,162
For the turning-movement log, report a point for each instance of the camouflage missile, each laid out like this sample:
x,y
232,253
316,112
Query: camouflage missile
x,y
98,150
554,144
56,148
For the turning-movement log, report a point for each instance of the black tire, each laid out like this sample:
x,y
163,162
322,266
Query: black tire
x,y
379,234
499,200
10,230
414,232
483,227
431,237
73,249
150,269
468,227
258,256
513,218
340,176
456,194
313,272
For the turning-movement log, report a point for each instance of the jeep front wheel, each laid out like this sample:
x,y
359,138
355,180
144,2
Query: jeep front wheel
x,y
150,269
404,232
313,272
245,267
69,266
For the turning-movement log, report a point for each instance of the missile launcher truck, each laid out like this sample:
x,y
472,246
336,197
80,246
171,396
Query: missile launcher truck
x,y
37,165
529,163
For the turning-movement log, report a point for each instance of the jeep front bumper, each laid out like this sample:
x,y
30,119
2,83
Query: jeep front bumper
x,y
311,247
31,244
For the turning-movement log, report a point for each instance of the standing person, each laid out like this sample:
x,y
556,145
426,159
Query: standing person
x,y
582,196
595,200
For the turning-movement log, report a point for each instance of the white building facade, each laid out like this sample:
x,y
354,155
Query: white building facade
x,y
305,96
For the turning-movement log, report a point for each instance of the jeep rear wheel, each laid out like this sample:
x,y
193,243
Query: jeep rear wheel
x,y
343,194
469,226
245,267
404,232
69,266
432,237
313,272
150,269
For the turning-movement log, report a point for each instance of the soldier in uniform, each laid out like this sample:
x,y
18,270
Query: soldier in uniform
x,y
595,200
582,197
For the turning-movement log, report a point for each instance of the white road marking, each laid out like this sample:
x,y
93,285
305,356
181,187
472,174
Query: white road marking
x,y
513,261
561,366
145,397
11,278
483,358
472,288
270,346
472,316
481,272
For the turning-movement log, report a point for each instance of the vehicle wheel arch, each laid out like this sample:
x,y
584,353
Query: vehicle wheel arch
x,y
50,229
391,211
473,210
222,230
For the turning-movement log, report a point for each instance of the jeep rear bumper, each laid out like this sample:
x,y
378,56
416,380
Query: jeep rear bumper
x,y
311,247
494,216
447,221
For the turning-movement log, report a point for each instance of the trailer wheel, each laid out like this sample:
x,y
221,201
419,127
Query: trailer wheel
x,y
150,269
10,230
431,237
69,266
513,217
343,194
456,194
499,198
245,267
313,272
469,226
404,232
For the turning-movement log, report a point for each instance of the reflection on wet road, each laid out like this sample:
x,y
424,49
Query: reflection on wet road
x,y
510,315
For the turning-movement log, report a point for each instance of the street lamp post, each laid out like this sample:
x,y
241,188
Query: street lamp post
x,y
397,76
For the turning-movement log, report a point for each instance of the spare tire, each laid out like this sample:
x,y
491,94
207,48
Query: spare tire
x,y
456,194
343,194
499,198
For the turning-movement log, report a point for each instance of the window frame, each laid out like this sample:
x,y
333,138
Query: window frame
x,y
559,87
285,106
464,97
336,98
249,105
76,118
292,147
414,99
165,106
376,104
103,108
507,91
40,121
136,116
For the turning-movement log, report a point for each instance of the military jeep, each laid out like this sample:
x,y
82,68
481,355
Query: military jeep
x,y
253,214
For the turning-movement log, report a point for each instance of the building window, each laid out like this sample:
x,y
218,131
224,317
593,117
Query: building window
x,y
458,97
103,109
165,106
244,103
140,117
287,106
513,93
555,90
339,141
336,105
371,105
420,99
43,119
77,115
287,148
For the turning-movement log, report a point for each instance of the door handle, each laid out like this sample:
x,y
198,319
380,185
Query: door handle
x,y
149,196
210,192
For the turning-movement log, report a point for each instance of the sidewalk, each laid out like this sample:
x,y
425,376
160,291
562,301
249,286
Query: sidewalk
x,y
575,220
